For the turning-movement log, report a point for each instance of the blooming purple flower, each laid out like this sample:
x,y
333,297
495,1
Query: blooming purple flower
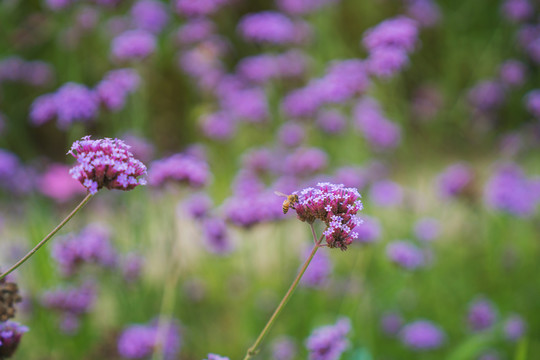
x,y
486,95
391,323
329,342
453,180
303,102
517,10
150,15
533,102
91,245
219,125
514,327
427,229
283,348
368,231
376,128
331,121
195,8
216,357
422,335
194,31
385,62
71,300
512,73
10,337
216,238
481,315
336,206
318,271
399,32
405,254
264,206
386,193
106,163
511,191
75,102
268,27
133,45
181,168
426,12
140,341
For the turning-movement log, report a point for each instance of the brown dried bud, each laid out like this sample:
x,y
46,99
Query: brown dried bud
x,y
9,296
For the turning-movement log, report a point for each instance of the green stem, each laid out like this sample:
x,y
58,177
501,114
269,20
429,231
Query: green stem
x,y
50,235
253,349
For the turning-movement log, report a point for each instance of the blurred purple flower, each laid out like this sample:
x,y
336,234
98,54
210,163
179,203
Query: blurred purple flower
x,y
196,8
248,104
106,163
57,5
305,161
533,103
131,265
140,341
512,73
58,184
258,69
133,45
453,180
376,128
427,229
150,15
10,337
350,176
319,270
426,12
264,206
369,230
216,357
197,205
486,95
386,193
490,355
181,168
329,342
69,324
115,86
514,327
481,315
140,147
391,323
303,102
331,121
385,62
291,134
219,125
427,102
75,102
405,254
422,335
517,10
87,18
283,348
195,30
302,7
71,300
268,27
399,32
43,109
35,73
216,238
15,178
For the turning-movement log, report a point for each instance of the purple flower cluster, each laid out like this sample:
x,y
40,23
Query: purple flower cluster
x,y
514,327
329,342
318,271
131,266
304,162
216,237
249,207
15,177
260,69
92,245
272,27
454,180
133,45
481,315
106,163
57,184
405,254
389,44
331,121
510,190
427,229
198,206
512,73
426,12
391,323
386,193
336,206
10,337
532,101
140,341
150,15
380,132
284,348
112,91
182,168
35,73
517,10
487,96
194,31
72,303
422,335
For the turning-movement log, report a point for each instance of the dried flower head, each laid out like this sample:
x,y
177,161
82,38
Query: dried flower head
x,y
9,296
10,336
106,163
336,206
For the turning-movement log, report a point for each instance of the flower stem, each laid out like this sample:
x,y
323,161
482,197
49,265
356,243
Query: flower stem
x,y
253,349
50,235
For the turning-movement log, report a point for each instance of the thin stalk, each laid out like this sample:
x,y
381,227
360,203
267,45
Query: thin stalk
x,y
50,235
253,349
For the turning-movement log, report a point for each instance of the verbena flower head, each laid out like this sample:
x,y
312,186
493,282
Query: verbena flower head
x,y
336,206
92,246
369,231
268,27
422,335
375,127
514,327
405,254
517,10
116,85
197,205
43,109
454,180
9,296
10,337
482,315
182,168
329,342
194,31
487,95
385,62
106,163
140,341
71,300
400,32
150,15
75,102
512,73
132,266
216,238
133,45
331,121
425,12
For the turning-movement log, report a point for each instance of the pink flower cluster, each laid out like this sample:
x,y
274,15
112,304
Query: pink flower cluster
x,y
106,163
336,206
